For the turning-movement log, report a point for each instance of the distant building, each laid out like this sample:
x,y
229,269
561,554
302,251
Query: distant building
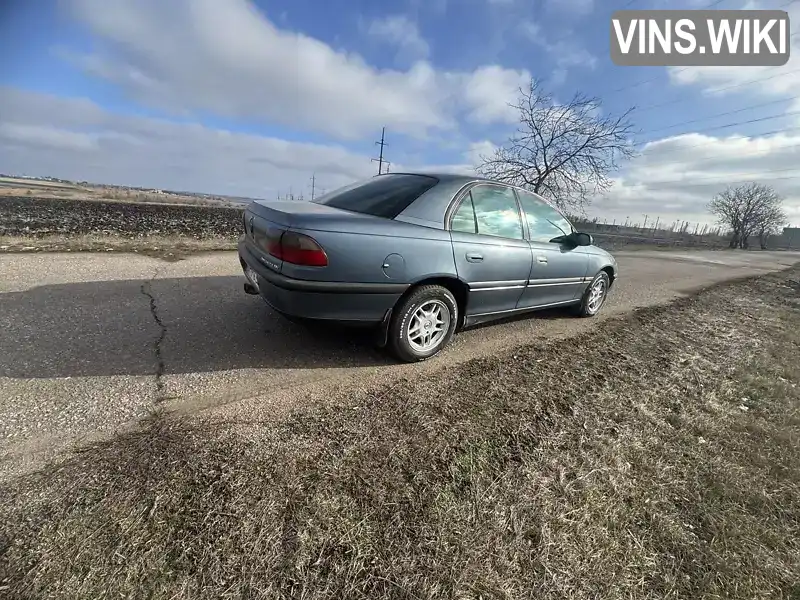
x,y
791,236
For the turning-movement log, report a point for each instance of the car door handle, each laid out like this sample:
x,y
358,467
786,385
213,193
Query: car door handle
x,y
474,257
541,259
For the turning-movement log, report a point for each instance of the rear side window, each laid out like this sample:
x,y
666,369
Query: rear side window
x,y
489,210
383,196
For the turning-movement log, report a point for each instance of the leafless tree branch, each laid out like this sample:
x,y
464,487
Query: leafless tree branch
x,y
565,152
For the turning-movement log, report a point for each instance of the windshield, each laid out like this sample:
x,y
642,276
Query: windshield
x,y
382,196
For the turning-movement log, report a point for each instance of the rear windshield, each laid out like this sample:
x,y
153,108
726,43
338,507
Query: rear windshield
x,y
383,196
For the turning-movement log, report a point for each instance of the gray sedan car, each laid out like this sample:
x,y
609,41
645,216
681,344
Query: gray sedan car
x,y
420,256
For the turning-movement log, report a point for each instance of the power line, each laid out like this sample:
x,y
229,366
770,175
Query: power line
x,y
750,137
717,90
695,162
729,125
724,114
723,175
688,184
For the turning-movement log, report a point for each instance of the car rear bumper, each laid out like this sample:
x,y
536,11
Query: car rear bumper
x,y
345,302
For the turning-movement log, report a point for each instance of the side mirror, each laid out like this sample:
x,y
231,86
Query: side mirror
x,y
574,239
583,239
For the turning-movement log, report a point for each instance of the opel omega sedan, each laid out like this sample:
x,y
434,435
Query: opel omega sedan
x,y
420,256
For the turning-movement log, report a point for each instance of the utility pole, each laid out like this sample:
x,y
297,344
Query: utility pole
x,y
645,222
382,143
313,185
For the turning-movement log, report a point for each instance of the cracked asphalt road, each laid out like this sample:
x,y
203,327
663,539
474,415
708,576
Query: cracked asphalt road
x,y
93,342
159,359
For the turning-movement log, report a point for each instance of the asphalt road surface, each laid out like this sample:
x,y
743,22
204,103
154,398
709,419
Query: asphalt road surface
x,y
93,342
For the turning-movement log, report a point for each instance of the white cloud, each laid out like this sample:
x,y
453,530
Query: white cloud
x,y
564,52
401,32
779,82
488,92
225,58
77,139
674,178
479,150
53,137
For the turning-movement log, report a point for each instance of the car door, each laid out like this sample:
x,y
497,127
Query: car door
x,y
558,271
490,250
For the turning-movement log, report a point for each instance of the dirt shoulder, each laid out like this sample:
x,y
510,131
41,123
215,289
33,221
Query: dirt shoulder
x,y
656,456
172,247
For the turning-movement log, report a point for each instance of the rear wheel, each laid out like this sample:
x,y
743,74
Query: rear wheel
x,y
423,323
595,296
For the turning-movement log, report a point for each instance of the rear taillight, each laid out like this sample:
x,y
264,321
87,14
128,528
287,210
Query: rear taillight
x,y
297,249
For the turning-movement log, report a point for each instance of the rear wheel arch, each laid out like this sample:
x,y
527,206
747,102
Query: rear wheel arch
x,y
454,285
422,322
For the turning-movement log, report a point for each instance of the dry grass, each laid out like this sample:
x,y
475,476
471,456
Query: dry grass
x,y
15,187
156,245
656,457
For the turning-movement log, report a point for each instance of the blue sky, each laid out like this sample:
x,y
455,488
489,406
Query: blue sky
x,y
252,98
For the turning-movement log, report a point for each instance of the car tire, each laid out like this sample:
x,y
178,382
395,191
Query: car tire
x,y
589,306
407,316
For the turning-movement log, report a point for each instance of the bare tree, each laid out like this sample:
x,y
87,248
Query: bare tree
x,y
770,220
748,209
565,152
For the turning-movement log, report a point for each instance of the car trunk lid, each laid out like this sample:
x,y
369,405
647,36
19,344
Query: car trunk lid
x,y
265,222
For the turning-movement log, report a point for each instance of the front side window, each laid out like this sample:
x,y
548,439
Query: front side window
x,y
544,222
495,212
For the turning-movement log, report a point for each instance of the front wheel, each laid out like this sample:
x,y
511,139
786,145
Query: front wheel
x,y
595,296
423,323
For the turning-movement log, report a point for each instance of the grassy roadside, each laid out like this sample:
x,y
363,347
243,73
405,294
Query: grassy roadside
x,y
657,456
156,245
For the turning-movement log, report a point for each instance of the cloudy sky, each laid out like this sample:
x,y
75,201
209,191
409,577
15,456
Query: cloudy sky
x,y
253,97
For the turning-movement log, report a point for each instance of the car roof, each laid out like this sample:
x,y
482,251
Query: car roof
x,y
442,176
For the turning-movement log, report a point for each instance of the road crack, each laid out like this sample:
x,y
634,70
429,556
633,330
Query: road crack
x,y
160,366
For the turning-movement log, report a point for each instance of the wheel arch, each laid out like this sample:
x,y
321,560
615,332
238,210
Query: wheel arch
x,y
611,272
456,286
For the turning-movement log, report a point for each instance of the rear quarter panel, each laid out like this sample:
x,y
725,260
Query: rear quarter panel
x,y
358,251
